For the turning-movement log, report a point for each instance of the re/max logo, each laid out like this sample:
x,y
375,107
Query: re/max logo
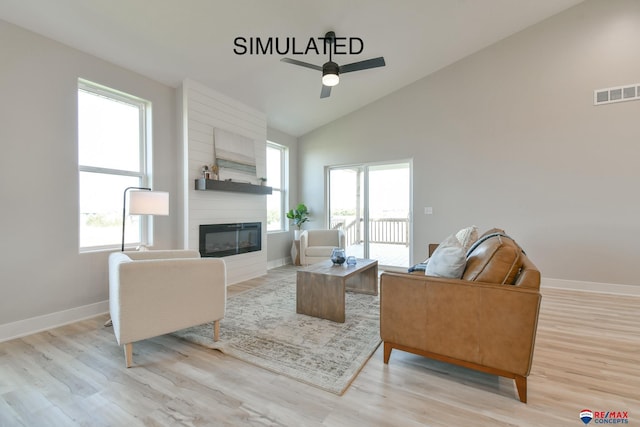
x,y
604,417
292,46
613,414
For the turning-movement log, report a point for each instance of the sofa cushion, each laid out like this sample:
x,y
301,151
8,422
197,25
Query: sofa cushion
x,y
448,260
467,237
323,237
319,251
493,231
489,234
496,259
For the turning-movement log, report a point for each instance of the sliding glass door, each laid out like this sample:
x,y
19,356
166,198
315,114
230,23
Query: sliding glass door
x,y
372,204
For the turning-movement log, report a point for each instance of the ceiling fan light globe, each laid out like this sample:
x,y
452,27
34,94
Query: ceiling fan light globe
x,y
330,74
330,79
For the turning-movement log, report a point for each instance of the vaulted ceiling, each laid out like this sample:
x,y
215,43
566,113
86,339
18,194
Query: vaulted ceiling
x,y
170,40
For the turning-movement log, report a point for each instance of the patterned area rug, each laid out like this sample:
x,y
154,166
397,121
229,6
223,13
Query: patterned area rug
x,y
261,327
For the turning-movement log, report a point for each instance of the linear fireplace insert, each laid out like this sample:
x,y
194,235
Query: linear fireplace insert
x,y
220,240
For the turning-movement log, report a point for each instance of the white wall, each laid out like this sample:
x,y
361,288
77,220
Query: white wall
x,y
41,269
509,138
203,111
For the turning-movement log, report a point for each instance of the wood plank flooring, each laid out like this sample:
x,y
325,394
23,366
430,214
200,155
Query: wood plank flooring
x,y
587,356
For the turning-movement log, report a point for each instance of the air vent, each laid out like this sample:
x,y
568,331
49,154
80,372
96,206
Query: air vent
x,y
616,94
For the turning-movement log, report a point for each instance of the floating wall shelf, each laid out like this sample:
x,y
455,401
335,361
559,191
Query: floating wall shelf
x,y
236,187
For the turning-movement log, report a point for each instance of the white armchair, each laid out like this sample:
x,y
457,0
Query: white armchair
x,y
316,245
153,293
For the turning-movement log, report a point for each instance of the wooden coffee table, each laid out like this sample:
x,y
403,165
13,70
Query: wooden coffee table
x,y
321,287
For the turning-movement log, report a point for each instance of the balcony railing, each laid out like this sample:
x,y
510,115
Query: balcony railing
x,y
393,231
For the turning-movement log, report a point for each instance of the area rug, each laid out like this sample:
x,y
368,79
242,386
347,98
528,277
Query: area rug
x,y
261,327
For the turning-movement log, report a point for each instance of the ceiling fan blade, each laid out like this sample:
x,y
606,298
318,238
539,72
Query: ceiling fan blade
x,y
302,64
325,92
363,65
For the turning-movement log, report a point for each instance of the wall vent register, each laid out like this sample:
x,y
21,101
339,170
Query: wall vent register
x,y
616,94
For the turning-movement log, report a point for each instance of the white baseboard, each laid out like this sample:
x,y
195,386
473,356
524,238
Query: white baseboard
x,y
21,328
278,263
576,285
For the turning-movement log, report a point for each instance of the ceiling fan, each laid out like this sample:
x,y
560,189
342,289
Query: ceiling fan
x,y
331,71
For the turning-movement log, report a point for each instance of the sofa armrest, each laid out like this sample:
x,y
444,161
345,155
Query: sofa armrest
x,y
486,324
162,254
432,248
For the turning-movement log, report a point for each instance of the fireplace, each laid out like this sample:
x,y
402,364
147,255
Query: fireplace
x,y
220,240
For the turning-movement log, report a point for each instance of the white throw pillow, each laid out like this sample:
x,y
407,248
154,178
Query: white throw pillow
x,y
448,260
467,237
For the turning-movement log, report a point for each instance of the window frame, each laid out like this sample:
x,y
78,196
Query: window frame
x,y
144,168
282,185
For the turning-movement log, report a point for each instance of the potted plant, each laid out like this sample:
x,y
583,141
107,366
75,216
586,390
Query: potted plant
x,y
299,216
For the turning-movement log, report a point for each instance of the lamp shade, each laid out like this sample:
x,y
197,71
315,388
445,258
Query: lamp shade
x,y
148,203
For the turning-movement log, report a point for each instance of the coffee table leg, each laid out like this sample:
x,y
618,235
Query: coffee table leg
x,y
320,296
366,282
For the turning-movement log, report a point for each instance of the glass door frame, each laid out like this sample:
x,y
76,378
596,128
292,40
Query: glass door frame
x,y
365,167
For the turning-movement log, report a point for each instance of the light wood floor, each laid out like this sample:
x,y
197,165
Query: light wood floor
x,y
587,356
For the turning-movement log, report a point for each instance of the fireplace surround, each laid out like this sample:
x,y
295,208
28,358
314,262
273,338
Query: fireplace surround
x,y
220,240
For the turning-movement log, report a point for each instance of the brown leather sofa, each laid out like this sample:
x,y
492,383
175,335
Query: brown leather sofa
x,y
486,320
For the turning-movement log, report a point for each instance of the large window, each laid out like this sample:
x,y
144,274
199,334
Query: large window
x,y
112,155
276,178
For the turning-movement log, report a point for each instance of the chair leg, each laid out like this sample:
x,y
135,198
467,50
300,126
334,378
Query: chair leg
x,y
128,354
216,330
521,385
387,352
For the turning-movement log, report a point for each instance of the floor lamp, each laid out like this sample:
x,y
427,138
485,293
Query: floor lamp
x,y
144,202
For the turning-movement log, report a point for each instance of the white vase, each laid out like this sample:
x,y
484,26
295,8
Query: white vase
x,y
296,234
